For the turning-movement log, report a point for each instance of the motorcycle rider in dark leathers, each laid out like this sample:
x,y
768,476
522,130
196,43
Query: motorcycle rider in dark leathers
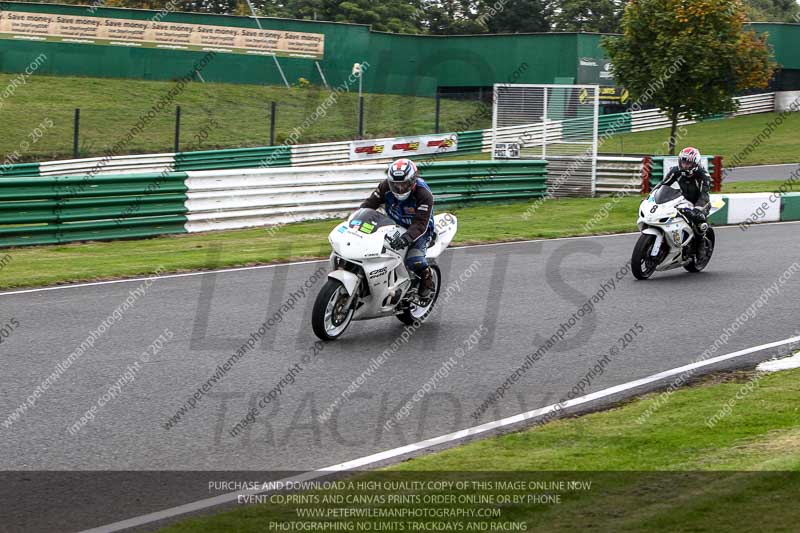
x,y
695,184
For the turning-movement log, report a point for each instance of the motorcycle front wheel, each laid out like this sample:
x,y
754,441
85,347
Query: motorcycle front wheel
x,y
642,265
417,313
329,318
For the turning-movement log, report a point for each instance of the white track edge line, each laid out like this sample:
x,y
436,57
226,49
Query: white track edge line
x,y
312,261
435,441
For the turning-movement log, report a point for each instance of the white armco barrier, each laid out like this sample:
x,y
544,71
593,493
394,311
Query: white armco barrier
x,y
618,174
317,154
126,164
231,199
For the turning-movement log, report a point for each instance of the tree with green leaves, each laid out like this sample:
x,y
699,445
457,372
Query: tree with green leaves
x,y
772,10
515,16
395,16
599,16
688,57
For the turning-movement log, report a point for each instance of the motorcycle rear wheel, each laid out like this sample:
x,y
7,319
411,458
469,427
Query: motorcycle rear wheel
x,y
642,265
328,320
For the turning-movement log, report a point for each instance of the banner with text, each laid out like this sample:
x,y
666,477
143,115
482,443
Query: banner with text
x,y
152,34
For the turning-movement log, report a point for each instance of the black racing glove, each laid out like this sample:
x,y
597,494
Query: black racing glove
x,y
401,241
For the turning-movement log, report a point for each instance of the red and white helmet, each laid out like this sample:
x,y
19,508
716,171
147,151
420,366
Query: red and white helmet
x,y
402,175
689,159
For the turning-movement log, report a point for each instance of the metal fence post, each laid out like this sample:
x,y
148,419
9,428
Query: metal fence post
x,y
76,133
360,117
273,107
438,110
177,128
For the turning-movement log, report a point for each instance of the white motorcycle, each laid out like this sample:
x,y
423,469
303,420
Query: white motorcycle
x,y
667,240
369,279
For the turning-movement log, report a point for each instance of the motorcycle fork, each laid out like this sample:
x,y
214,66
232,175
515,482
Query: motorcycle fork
x,y
359,288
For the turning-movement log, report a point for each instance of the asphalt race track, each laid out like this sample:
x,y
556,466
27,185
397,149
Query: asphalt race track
x,y
760,173
520,293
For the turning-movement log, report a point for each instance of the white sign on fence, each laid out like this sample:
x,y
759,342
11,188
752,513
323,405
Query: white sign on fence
x,y
506,151
394,148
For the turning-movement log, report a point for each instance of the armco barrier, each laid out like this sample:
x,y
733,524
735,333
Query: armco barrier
x,y
264,157
107,165
618,174
50,210
230,199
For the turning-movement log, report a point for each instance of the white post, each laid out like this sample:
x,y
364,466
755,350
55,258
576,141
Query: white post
x,y
495,98
544,126
594,138
358,70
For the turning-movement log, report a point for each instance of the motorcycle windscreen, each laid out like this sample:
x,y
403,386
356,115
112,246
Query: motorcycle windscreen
x,y
666,194
373,218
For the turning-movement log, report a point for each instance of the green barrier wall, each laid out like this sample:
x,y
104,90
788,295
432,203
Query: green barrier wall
x,y
470,141
471,181
790,206
263,157
51,210
20,169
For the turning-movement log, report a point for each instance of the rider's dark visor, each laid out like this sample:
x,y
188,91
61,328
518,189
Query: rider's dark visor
x,y
400,187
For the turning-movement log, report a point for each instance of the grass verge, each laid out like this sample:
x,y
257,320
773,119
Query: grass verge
x,y
666,471
213,115
46,265
726,137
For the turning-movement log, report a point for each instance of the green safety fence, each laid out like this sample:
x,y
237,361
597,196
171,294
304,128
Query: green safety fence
x,y
52,210
486,181
262,157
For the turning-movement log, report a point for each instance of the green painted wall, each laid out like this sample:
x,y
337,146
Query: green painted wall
x,y
785,39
